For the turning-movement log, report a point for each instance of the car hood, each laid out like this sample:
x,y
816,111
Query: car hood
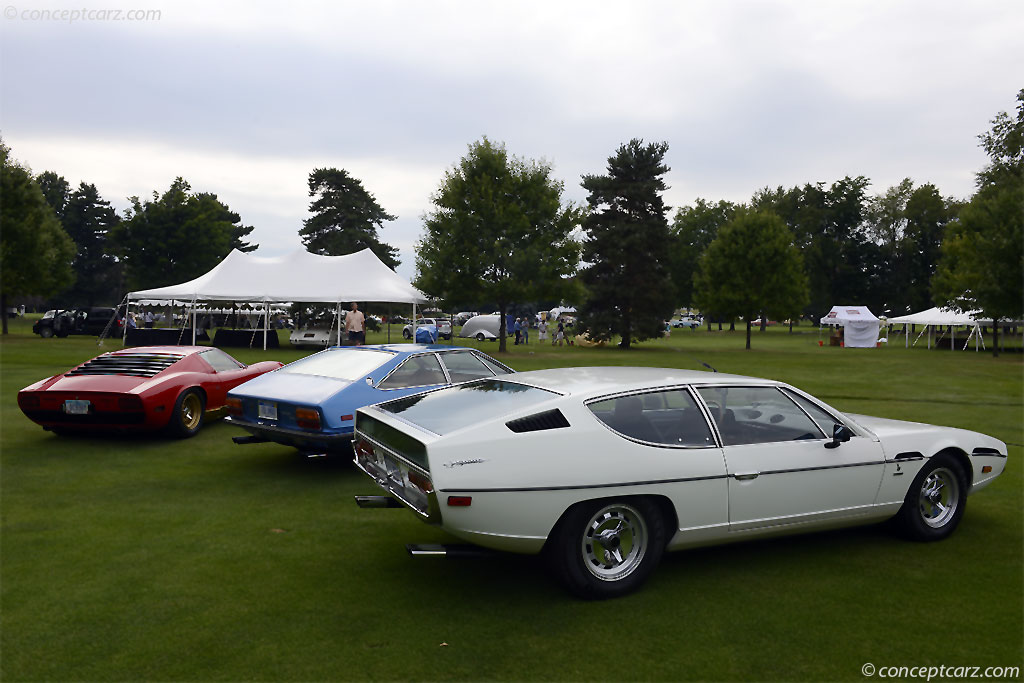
x,y
884,427
291,387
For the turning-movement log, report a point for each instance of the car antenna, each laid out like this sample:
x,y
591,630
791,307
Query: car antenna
x,y
706,365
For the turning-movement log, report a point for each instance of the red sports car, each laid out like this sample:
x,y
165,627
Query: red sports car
x,y
148,388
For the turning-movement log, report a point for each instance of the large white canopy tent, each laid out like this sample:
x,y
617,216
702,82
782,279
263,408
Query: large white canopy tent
x,y
860,326
298,276
941,317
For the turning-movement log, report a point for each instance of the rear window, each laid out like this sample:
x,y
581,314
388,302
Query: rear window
x,y
456,407
347,364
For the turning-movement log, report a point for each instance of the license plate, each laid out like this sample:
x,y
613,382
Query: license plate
x,y
74,407
267,411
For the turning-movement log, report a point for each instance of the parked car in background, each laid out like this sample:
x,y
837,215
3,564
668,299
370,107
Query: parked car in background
x,y
314,337
137,389
603,469
444,327
462,317
87,321
310,404
686,321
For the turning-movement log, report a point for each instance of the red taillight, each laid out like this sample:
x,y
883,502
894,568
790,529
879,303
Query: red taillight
x,y
130,403
460,501
307,418
233,405
421,482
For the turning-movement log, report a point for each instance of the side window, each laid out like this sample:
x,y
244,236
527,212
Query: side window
x,y
495,368
220,361
417,371
746,415
463,366
818,414
669,417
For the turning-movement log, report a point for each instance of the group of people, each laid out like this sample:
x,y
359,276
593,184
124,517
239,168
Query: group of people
x,y
521,328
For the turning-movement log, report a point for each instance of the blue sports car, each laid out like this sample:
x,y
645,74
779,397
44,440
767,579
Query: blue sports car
x,y
310,404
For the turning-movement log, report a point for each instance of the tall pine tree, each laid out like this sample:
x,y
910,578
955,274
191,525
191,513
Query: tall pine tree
x,y
628,282
345,217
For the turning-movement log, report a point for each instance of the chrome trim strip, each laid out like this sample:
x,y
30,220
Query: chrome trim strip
x,y
576,487
824,467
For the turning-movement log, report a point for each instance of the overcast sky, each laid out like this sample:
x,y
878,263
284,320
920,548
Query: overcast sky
x,y
245,99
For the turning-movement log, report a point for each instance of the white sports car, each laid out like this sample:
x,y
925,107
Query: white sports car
x,y
605,468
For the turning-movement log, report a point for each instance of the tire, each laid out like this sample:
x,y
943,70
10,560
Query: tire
x,y
46,332
935,502
407,334
187,417
480,336
634,534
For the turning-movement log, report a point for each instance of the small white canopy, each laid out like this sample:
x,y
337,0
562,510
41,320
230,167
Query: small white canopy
x,y
936,316
298,276
860,326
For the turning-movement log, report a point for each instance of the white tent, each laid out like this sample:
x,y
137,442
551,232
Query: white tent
x,y
860,326
298,276
940,317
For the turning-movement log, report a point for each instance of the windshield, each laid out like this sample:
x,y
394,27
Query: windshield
x,y
460,406
348,364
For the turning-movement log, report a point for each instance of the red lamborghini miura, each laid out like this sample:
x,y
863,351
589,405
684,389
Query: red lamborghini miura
x,y
147,388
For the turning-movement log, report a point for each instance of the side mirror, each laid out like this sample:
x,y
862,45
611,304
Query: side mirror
x,y
840,434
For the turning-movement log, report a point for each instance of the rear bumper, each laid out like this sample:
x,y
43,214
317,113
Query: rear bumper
x,y
298,438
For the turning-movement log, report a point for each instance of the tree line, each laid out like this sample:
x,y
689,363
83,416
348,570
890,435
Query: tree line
x,y
499,231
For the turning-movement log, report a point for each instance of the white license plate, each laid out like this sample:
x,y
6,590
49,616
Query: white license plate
x,y
267,411
74,407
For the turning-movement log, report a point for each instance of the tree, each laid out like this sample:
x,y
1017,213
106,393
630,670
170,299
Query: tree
x,y
177,236
56,190
752,267
982,259
89,220
629,285
693,229
498,233
345,217
35,252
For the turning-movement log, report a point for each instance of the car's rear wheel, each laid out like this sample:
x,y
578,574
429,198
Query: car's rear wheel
x,y
187,417
935,503
480,336
607,548
46,332
407,334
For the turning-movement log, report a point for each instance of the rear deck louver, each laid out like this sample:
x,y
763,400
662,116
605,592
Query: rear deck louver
x,y
549,419
134,364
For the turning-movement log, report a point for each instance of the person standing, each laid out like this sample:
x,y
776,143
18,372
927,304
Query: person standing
x,y
526,330
147,319
542,330
559,334
519,332
355,325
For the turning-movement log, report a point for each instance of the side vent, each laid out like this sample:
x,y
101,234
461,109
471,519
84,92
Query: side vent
x,y
549,419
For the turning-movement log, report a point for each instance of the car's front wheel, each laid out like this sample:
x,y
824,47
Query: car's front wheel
x,y
187,417
407,334
607,548
480,336
936,500
46,332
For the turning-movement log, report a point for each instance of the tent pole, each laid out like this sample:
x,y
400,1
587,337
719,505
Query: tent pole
x,y
266,323
952,337
413,322
124,331
193,322
389,323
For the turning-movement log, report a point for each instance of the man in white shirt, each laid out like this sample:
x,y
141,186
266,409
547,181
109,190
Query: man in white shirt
x,y
355,325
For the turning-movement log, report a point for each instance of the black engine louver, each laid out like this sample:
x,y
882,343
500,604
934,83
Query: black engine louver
x,y
136,364
549,419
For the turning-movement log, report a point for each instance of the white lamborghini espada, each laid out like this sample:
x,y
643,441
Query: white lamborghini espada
x,y
605,468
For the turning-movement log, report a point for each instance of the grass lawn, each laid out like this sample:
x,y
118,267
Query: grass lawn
x,y
142,558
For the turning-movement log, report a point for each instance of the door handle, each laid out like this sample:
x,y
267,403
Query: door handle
x,y
746,476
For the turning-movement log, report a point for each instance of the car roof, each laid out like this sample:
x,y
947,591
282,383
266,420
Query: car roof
x,y
604,380
172,350
401,348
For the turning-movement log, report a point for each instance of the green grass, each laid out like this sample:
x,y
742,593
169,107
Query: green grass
x,y
141,558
